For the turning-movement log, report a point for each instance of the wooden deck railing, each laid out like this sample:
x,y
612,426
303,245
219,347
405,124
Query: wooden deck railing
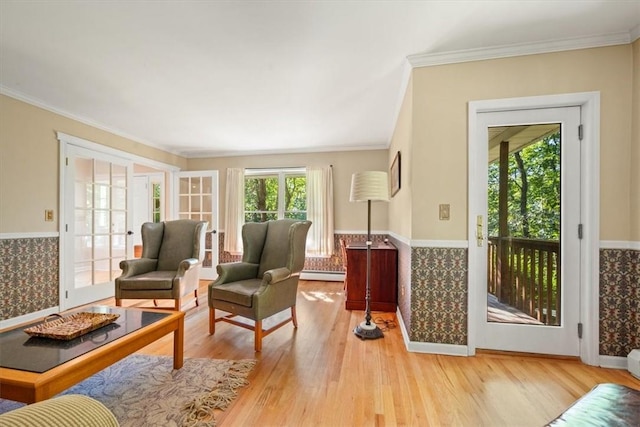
x,y
526,276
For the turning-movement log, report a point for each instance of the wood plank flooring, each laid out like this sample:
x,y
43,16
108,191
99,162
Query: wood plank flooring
x,y
323,375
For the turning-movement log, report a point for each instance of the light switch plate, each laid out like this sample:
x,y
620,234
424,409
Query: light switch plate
x,y
444,212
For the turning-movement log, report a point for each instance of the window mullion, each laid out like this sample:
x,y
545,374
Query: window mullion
x,y
281,188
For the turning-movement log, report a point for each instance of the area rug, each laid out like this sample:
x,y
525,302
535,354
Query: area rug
x,y
145,390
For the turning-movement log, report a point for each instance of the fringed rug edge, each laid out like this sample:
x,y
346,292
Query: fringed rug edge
x,y
200,411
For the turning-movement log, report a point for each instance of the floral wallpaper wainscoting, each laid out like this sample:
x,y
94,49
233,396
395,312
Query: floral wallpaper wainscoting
x,y
439,295
332,264
619,301
28,275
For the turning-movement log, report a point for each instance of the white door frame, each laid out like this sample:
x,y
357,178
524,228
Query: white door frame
x,y
65,141
590,211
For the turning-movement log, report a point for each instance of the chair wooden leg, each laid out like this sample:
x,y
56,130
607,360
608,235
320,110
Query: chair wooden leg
x,y
294,318
258,331
178,305
118,302
155,303
212,321
195,293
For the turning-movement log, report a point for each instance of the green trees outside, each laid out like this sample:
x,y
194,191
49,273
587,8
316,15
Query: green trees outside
x,y
533,191
524,263
262,198
157,196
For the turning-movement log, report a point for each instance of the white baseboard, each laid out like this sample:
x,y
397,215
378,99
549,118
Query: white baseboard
x,y
614,362
322,276
430,348
14,321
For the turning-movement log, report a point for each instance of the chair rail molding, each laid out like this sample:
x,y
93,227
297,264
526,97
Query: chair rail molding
x,y
29,235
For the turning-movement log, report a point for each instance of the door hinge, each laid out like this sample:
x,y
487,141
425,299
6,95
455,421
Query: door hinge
x,y
66,227
579,231
579,330
580,132
66,161
66,294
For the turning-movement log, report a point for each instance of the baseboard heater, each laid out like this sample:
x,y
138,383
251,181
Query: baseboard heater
x,y
633,363
327,276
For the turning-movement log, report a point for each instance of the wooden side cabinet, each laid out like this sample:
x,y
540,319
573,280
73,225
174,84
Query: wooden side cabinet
x,y
383,279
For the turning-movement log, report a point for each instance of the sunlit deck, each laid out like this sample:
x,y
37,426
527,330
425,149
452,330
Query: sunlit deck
x,y
503,313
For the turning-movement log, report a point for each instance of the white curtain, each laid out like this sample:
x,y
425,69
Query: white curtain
x,y
234,211
320,211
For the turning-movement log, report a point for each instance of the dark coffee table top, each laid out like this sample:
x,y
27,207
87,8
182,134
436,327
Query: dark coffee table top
x,y
23,352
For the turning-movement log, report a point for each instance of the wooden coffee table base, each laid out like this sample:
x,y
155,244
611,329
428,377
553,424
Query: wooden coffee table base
x,y
29,387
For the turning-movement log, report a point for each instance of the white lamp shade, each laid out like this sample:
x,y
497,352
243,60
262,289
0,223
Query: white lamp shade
x,y
369,185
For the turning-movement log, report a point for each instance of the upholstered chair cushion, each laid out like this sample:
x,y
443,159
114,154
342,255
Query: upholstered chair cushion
x,y
178,244
276,252
152,233
253,237
70,410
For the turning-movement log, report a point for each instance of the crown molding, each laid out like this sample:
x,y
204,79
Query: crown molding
x,y
311,150
41,104
404,82
521,49
635,33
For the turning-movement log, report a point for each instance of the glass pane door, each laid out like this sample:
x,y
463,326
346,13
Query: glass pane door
x,y
523,227
530,267
197,194
99,230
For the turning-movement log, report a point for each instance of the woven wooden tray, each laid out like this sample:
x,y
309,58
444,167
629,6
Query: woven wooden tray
x,y
70,327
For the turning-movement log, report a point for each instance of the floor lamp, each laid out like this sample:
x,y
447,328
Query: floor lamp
x,y
367,187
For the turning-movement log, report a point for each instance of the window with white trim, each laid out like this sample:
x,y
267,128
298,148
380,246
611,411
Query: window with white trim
x,y
275,194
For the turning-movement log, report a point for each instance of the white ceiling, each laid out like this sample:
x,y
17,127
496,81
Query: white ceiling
x,y
211,78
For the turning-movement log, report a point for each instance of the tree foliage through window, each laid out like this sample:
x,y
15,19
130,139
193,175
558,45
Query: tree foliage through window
x,y
533,191
274,195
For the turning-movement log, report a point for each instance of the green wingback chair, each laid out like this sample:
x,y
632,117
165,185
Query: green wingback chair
x,y
172,252
265,282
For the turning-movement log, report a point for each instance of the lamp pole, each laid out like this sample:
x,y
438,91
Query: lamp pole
x,y
366,329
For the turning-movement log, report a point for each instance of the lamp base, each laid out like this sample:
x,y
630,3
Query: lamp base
x,y
368,332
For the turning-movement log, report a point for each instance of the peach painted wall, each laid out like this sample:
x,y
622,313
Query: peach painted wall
x,y
348,216
29,162
400,204
635,146
440,98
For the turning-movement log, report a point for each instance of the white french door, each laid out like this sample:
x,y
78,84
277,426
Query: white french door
x,y
551,322
196,197
148,202
95,225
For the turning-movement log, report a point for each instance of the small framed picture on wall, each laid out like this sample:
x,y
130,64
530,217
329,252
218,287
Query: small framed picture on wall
x,y
395,175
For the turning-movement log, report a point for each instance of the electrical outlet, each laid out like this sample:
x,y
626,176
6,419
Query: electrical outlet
x,y
444,212
48,215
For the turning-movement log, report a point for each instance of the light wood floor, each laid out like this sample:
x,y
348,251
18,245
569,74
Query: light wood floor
x,y
322,375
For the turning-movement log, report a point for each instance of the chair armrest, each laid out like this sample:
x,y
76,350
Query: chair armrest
x,y
276,275
134,267
185,265
234,271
